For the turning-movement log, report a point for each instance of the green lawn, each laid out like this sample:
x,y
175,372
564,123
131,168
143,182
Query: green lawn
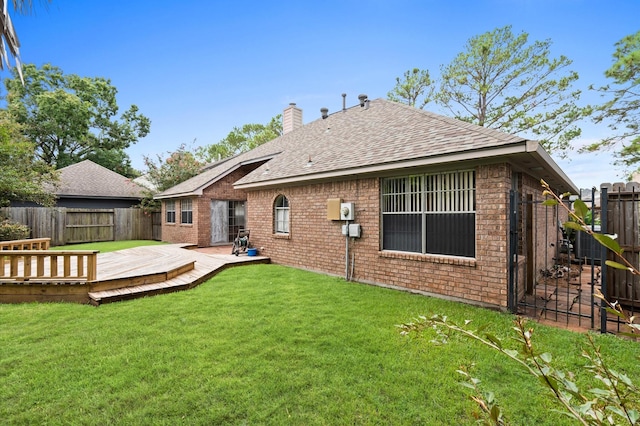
x,y
107,246
265,344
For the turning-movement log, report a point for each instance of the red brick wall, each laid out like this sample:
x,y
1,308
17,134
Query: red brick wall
x,y
200,232
546,233
316,243
180,232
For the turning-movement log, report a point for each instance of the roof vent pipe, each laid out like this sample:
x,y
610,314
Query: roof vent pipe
x,y
366,104
344,102
362,99
324,112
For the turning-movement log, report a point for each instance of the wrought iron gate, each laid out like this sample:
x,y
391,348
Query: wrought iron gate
x,y
553,273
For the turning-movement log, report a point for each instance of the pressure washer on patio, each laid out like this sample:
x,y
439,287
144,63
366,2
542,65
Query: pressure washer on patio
x,y
241,242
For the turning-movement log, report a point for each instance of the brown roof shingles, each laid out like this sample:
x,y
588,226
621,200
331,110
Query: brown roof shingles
x,y
88,179
385,133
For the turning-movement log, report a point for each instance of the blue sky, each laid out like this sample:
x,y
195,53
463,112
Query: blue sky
x,y
198,68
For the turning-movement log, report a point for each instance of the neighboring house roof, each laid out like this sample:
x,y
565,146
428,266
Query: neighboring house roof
x,y
381,138
87,179
145,182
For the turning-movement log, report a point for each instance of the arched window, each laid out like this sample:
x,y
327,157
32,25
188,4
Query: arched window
x,y
281,215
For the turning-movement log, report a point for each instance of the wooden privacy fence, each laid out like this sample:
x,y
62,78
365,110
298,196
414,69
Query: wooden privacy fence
x,y
68,226
621,216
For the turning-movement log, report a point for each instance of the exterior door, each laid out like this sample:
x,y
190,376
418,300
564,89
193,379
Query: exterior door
x,y
236,218
219,222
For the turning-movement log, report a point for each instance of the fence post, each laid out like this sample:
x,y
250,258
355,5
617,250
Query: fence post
x,y
512,304
604,206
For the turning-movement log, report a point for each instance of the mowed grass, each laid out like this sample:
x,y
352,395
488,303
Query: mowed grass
x,y
266,344
107,246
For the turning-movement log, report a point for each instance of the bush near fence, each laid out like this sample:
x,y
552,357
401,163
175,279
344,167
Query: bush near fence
x,y
10,230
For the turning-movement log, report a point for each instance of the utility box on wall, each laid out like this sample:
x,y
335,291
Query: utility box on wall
x,y
333,208
347,211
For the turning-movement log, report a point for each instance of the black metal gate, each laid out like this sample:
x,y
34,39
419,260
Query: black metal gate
x,y
554,273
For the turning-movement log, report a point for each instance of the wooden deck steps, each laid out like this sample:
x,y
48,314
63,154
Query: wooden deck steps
x,y
138,272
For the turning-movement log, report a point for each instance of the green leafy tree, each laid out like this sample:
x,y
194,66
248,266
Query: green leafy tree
x,y
241,139
504,82
164,173
22,177
114,159
415,86
622,108
177,167
69,117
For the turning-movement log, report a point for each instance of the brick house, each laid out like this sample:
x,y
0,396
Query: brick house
x,y
430,195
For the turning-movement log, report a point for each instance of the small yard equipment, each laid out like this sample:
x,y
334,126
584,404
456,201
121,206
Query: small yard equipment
x,y
241,242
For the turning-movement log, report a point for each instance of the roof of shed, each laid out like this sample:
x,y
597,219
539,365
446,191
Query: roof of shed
x,y
381,138
91,180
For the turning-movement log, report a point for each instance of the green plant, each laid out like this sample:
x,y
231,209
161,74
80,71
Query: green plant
x,y
615,401
10,230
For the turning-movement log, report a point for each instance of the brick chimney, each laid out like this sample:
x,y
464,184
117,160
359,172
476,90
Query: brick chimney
x,y
291,118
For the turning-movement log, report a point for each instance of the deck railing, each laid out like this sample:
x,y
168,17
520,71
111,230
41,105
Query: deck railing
x,y
46,265
30,244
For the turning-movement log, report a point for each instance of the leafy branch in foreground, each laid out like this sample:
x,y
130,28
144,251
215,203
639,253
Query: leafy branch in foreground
x,y
577,222
616,401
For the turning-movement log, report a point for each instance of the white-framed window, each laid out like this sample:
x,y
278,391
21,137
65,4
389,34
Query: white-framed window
x,y
186,211
170,211
430,213
281,215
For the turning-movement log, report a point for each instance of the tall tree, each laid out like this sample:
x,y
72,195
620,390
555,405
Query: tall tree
x,y
622,108
241,139
22,177
68,117
177,167
114,159
503,82
413,87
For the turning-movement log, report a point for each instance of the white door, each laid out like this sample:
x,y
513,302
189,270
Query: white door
x,y
219,222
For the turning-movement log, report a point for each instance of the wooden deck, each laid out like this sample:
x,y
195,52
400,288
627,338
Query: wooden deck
x,y
131,273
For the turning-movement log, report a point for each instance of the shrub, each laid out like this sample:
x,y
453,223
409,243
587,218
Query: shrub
x,y
10,230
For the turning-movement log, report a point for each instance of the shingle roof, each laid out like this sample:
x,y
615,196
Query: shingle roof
x,y
386,135
88,179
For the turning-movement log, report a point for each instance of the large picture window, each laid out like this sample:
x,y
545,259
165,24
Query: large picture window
x,y
186,211
430,213
170,211
281,215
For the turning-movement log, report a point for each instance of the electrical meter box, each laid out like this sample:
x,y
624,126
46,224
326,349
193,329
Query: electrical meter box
x,y
347,211
354,230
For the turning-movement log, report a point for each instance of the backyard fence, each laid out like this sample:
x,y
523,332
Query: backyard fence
x,y
69,226
621,217
554,274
